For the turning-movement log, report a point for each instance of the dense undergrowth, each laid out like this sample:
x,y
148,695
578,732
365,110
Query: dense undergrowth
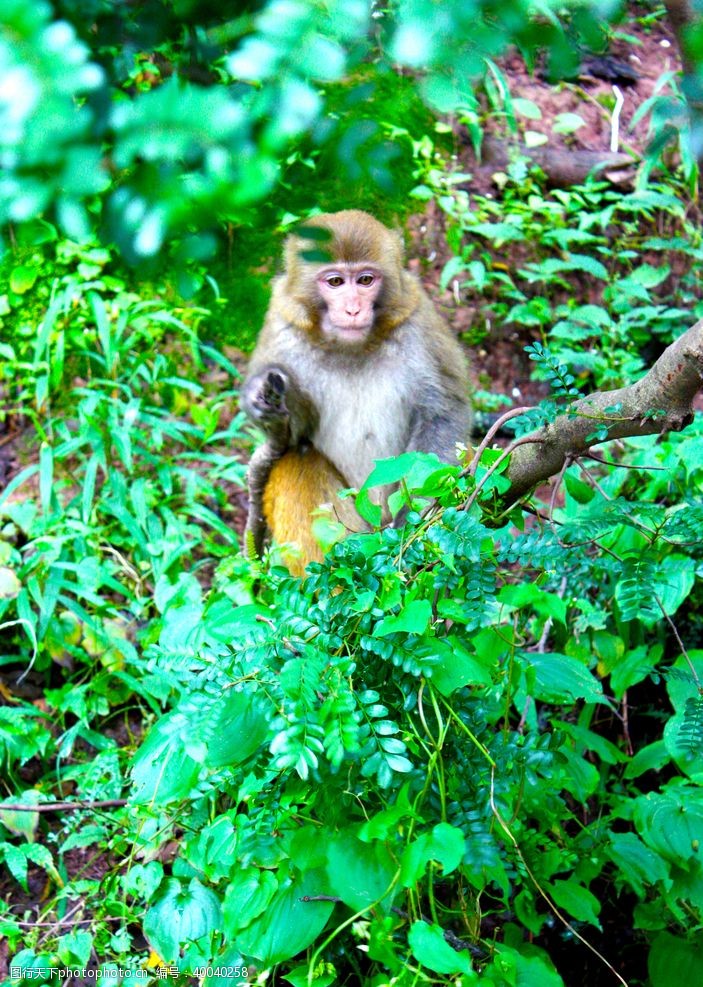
x,y
452,754
465,752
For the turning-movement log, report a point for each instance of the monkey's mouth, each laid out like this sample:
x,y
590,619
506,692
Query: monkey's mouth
x,y
352,332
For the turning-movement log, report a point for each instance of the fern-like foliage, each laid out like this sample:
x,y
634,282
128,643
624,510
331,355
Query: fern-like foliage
x,y
690,735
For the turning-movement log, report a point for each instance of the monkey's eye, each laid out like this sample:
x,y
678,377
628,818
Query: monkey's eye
x,y
365,280
334,281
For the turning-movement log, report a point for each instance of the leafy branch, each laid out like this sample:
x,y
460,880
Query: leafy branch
x,y
661,401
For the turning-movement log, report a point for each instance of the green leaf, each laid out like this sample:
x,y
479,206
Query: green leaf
x,y
567,123
534,139
649,276
576,900
653,757
673,960
513,967
640,866
430,948
444,843
289,924
582,493
74,948
414,618
300,977
672,824
360,873
632,668
457,667
181,914
22,278
414,466
162,769
561,678
248,894
240,727
677,574
22,823
526,108
526,594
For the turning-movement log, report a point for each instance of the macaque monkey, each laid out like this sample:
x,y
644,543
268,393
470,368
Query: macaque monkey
x,y
353,364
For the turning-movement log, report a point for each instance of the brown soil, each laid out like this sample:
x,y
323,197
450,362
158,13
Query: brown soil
x,y
499,363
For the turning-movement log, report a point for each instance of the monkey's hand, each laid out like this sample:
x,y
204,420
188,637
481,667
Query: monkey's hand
x,y
273,399
265,396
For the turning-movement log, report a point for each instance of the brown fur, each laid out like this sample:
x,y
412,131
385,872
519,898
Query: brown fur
x,y
299,483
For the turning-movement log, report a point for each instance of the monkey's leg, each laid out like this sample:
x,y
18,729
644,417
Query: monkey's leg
x,y
298,484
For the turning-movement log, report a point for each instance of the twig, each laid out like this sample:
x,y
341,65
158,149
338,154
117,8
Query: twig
x,y
624,466
473,465
525,440
63,806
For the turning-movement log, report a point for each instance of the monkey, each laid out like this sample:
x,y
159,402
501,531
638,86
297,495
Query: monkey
x,y
353,364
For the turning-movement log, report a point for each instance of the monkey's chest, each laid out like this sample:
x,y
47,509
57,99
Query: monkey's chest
x,y
363,417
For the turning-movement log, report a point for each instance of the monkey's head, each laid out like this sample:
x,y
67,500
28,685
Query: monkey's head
x,y
358,291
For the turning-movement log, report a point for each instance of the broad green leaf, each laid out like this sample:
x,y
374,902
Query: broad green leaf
x,y
522,595
300,977
640,866
248,893
677,574
22,278
430,948
567,123
23,824
162,769
414,618
560,678
576,900
653,757
240,727
526,108
444,843
289,924
632,668
672,824
578,775
457,667
528,967
74,948
359,873
582,493
181,914
649,276
676,961
533,138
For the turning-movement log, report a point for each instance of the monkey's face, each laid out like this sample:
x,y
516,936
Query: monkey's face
x,y
348,296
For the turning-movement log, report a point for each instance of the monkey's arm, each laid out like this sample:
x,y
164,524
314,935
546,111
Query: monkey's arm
x,y
442,413
275,402
438,423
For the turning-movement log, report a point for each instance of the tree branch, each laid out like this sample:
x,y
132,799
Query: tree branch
x,y
670,387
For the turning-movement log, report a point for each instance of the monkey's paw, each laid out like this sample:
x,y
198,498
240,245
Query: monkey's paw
x,y
267,396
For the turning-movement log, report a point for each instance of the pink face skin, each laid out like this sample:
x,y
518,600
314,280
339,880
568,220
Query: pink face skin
x,y
348,293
